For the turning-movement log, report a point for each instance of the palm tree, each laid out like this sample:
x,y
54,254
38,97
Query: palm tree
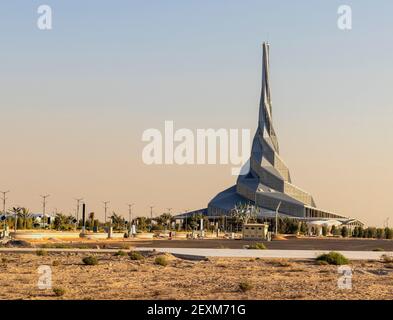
x,y
16,211
118,221
24,214
91,217
164,219
70,219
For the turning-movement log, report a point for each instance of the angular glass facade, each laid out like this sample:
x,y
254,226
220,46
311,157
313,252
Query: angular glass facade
x,y
268,182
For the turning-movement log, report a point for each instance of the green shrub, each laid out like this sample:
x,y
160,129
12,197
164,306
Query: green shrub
x,y
136,255
41,252
370,232
161,260
245,286
380,233
334,258
90,260
322,262
56,245
388,233
257,246
59,292
56,263
336,231
157,227
387,259
120,253
344,232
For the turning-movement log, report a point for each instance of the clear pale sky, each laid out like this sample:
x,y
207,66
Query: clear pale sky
x,y
75,100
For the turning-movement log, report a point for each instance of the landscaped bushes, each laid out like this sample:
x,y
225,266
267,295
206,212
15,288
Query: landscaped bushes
x,y
372,232
334,258
344,232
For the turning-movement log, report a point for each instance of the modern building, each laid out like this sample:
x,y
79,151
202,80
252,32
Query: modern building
x,y
268,184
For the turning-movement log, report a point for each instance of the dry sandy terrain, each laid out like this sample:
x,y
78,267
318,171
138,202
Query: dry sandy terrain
x,y
118,277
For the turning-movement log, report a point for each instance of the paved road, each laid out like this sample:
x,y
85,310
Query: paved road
x,y
290,244
337,244
290,254
231,253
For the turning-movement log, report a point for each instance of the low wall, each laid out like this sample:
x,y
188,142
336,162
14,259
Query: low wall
x,y
33,235
144,235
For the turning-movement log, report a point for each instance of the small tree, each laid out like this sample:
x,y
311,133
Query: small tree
x,y
243,213
164,219
119,222
380,233
344,231
16,211
324,231
60,222
24,216
360,232
388,233
292,226
303,228
337,231
194,220
91,217
371,232
142,223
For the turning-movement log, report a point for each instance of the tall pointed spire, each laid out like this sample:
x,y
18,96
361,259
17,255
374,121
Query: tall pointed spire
x,y
268,183
265,107
265,76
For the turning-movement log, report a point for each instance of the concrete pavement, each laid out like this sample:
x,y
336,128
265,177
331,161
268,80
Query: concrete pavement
x,y
228,253
290,254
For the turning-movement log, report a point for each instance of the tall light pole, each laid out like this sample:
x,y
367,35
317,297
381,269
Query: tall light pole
x,y
44,205
78,200
151,217
4,198
166,222
278,207
186,219
105,208
151,212
130,215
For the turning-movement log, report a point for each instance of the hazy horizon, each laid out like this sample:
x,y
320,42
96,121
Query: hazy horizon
x,y
76,100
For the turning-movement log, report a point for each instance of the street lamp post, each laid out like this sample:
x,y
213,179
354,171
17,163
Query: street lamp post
x,y
151,217
78,200
4,198
130,216
278,207
186,220
43,207
105,210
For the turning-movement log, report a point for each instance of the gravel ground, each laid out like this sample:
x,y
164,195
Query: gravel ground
x,y
119,277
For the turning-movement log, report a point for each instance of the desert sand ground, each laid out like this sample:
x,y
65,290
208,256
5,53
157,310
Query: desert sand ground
x,y
119,277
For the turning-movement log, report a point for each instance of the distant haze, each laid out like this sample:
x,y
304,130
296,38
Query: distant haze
x,y
75,100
